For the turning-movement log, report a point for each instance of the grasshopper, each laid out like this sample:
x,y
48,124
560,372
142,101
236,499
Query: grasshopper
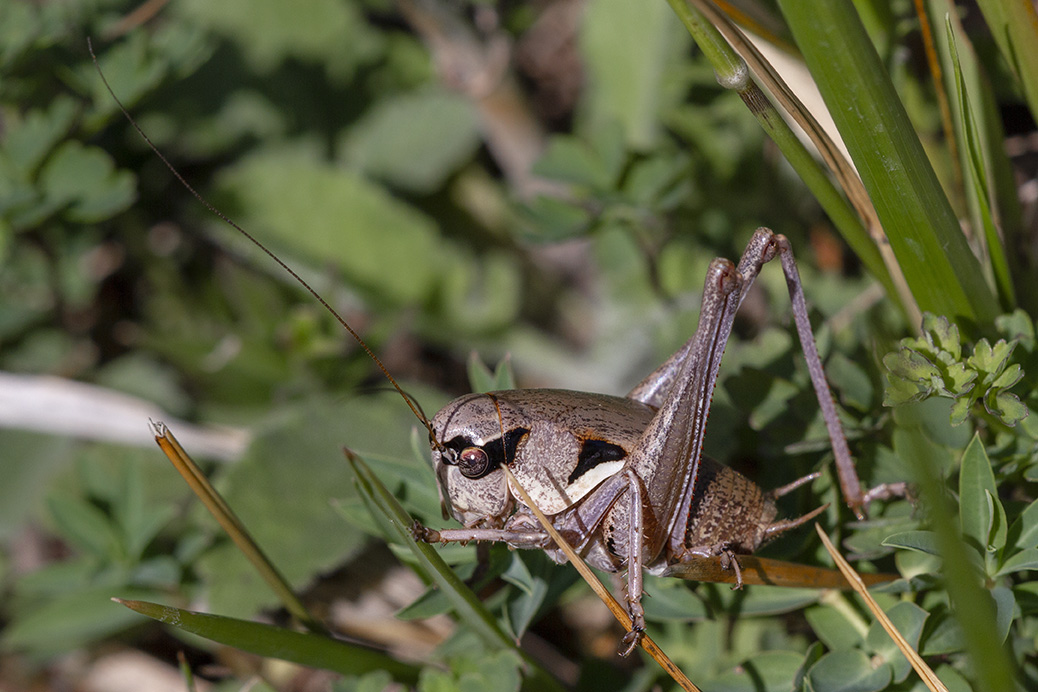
x,y
623,479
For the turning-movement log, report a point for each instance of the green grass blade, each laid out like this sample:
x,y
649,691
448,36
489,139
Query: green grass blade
x,y
971,604
941,271
466,604
1014,26
1002,200
311,650
976,163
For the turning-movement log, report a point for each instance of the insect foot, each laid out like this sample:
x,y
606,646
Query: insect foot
x,y
420,532
630,641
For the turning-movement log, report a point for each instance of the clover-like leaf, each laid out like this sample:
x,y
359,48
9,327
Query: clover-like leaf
x,y
1017,326
1008,407
959,378
988,358
942,334
912,365
1009,377
960,409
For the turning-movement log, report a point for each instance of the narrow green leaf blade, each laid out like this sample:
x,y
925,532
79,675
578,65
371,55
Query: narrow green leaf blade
x,y
274,642
941,271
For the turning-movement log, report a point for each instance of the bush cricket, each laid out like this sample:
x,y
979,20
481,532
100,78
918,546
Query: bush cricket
x,y
623,479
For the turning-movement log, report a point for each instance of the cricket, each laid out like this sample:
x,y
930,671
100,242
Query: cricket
x,y
622,479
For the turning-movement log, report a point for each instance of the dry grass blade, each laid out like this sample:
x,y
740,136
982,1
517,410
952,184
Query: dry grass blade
x,y
766,571
614,606
230,523
920,666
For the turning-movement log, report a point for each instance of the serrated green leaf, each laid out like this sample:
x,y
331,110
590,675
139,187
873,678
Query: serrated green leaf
x,y
959,378
943,334
901,391
987,358
1009,377
27,143
912,365
960,410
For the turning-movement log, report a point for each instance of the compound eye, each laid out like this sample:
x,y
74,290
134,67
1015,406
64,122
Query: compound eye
x,y
473,462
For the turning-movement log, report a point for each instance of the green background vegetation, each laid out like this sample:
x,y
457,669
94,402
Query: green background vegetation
x,y
539,183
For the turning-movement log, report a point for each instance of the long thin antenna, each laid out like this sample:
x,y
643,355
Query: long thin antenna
x,y
223,217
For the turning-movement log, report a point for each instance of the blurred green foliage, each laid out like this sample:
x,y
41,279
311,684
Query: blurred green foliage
x,y
348,138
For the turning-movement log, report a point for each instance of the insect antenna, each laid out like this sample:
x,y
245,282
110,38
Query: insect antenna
x,y
408,399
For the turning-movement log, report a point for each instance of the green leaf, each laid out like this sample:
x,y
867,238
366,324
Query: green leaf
x,y
332,216
1005,610
671,599
569,159
770,671
1026,559
465,602
533,591
909,619
482,380
281,491
835,627
332,34
85,181
414,141
28,143
85,526
626,48
305,649
921,541
941,270
1023,533
848,671
69,621
942,334
979,507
